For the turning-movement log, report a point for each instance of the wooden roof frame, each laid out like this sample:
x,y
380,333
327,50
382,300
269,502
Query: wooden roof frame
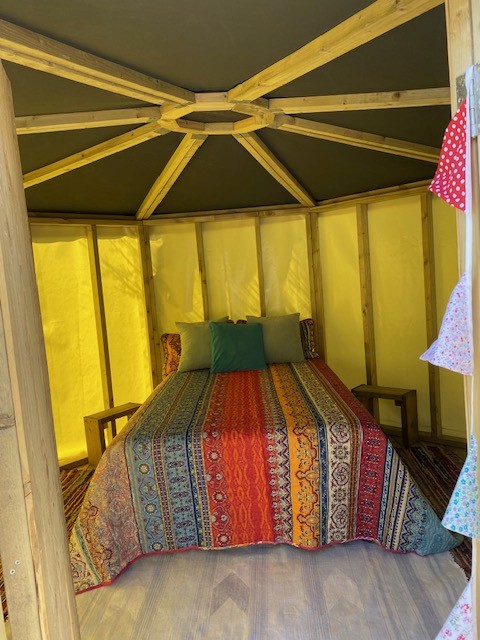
x,y
173,103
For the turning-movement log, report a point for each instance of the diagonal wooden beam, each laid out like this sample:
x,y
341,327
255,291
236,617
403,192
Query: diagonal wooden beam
x,y
185,151
357,138
92,154
366,25
33,50
262,154
362,101
85,120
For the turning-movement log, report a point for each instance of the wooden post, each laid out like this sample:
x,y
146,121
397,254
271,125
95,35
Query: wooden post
x,y
202,269
28,419
367,301
147,280
431,311
316,287
463,34
156,352
261,278
100,318
366,293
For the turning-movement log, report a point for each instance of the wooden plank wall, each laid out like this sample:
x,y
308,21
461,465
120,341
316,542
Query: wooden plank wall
x,y
200,221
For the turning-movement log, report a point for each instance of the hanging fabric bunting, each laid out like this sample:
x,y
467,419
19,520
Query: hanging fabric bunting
x,y
462,511
460,625
449,182
453,348
452,182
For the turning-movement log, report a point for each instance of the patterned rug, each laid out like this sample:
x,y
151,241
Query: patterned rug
x,y
436,470
74,485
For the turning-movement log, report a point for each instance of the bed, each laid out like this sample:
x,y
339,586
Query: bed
x,y
284,454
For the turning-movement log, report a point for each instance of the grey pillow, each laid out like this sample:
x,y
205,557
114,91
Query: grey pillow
x,y
196,345
281,337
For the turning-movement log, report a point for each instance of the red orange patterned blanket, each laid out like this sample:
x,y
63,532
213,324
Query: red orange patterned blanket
x,y
282,455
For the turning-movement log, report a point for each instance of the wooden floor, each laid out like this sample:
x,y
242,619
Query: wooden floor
x,y
352,591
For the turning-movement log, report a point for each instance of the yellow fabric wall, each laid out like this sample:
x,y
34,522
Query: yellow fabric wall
x,y
66,301
399,302
123,293
285,265
230,250
451,384
178,292
338,245
231,268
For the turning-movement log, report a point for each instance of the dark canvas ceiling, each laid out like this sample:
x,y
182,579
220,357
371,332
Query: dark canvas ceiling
x,y
212,46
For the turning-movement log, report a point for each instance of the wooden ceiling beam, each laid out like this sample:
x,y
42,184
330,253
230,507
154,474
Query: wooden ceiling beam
x,y
33,50
262,154
362,101
85,120
366,25
355,138
92,154
185,151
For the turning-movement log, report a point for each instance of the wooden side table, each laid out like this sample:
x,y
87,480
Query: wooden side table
x,y
96,424
406,399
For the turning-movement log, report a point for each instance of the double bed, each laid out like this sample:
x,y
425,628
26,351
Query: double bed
x,y
284,454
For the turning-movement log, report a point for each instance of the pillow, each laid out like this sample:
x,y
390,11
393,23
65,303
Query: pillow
x,y
196,347
171,353
281,337
236,347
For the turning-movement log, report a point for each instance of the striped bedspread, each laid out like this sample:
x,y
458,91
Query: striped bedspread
x,y
285,455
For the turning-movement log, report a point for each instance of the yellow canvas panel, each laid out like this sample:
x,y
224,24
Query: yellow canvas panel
x,y
341,291
399,302
446,271
231,268
176,277
122,284
65,290
285,265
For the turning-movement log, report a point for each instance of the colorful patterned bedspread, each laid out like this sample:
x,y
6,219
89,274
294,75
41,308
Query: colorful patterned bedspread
x,y
283,455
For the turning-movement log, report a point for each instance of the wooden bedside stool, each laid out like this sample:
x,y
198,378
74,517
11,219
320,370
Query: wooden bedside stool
x,y
96,424
406,399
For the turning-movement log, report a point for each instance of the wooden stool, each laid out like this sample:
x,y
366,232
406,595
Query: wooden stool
x,y
96,424
406,399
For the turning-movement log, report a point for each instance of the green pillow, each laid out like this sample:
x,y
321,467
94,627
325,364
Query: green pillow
x,y
236,347
195,345
281,337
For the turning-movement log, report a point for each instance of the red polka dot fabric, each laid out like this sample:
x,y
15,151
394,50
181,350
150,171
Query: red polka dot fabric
x,y
449,180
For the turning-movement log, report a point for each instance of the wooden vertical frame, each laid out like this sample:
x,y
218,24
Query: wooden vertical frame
x,y
202,269
463,38
17,562
100,317
149,294
315,277
261,278
366,293
431,310
26,412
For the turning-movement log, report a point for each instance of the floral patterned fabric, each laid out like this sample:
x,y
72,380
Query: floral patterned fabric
x,y
282,455
449,180
453,348
462,511
460,624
